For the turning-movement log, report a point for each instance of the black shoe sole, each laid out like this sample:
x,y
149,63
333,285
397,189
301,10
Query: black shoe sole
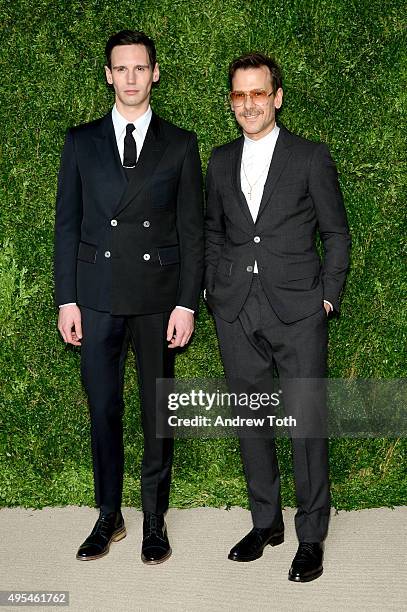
x,y
306,578
275,541
156,562
116,537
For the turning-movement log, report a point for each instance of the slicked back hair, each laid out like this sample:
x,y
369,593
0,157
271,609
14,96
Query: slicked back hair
x,y
130,37
256,60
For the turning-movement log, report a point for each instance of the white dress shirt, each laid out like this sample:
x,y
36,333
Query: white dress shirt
x,y
141,125
256,160
139,133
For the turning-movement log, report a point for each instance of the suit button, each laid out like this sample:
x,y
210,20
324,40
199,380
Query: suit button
x,y
256,239
146,256
113,222
249,269
146,223
107,254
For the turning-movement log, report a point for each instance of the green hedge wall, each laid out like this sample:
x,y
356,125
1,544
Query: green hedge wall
x,y
343,64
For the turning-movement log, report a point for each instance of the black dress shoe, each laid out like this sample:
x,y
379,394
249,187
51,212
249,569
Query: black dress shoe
x,y
307,563
156,547
108,528
253,544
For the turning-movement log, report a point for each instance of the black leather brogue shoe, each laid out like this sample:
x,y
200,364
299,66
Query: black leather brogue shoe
x,y
108,528
307,563
156,547
253,544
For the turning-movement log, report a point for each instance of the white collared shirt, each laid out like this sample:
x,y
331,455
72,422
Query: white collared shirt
x,y
141,125
256,160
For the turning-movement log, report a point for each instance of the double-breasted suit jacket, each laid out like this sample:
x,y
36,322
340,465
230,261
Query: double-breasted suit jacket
x,y
133,246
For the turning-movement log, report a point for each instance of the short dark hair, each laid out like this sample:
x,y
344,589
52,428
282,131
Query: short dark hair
x,y
130,37
255,60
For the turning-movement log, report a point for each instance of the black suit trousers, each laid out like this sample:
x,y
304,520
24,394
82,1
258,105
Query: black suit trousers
x,y
103,352
250,345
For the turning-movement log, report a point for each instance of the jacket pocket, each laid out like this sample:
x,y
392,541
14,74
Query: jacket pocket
x,y
168,255
301,270
289,185
87,252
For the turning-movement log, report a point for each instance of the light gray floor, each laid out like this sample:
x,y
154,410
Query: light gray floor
x,y
364,567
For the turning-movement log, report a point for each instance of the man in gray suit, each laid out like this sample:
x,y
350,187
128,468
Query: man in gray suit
x,y
268,192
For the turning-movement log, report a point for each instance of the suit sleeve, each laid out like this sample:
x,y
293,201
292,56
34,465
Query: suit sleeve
x,y
68,219
190,227
332,221
214,226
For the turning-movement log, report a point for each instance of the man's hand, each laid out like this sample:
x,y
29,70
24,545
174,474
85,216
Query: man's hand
x,y
180,327
69,324
327,308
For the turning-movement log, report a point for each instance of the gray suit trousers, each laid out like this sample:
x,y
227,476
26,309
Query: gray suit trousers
x,y
250,346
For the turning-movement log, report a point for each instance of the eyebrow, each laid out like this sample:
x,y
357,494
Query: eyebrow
x,y
136,66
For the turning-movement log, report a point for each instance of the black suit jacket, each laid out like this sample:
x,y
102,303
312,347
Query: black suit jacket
x,y
301,195
129,247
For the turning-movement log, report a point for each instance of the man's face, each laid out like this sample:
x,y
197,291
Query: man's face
x,y
131,75
256,120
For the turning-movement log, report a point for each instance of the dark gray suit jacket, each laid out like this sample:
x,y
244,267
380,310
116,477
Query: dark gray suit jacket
x,y
301,195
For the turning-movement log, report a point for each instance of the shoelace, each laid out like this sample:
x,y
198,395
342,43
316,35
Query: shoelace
x,y
153,526
103,525
258,532
304,550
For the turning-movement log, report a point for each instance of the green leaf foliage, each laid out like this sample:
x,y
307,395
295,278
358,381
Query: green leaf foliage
x,y
344,68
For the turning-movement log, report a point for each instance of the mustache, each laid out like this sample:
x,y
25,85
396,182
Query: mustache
x,y
251,112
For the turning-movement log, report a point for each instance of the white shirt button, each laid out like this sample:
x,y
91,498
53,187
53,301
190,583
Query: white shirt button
x,y
249,269
146,256
113,222
146,223
107,254
256,239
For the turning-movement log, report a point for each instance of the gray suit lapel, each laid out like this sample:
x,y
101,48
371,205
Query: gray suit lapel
x,y
281,155
236,161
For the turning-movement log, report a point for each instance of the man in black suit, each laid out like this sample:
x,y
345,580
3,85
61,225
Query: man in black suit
x,y
267,194
128,261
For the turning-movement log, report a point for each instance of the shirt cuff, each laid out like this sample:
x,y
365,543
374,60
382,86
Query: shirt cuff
x,y
67,304
185,308
330,305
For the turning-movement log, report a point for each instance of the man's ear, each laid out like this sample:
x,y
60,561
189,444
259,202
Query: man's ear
x,y
278,98
109,77
156,73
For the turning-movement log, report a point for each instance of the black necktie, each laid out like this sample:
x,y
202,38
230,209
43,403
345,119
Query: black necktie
x,y
130,148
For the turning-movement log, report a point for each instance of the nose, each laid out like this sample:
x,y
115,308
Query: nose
x,y
131,76
247,101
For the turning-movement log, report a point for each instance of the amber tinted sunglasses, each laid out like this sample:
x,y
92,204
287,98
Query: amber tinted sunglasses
x,y
257,96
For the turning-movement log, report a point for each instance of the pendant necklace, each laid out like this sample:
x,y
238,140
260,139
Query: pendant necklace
x,y
256,181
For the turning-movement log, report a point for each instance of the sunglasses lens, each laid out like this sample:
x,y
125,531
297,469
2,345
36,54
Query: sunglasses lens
x,y
237,98
257,96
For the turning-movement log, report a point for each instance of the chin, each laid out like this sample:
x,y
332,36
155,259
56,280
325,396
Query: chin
x,y
253,125
251,129
132,102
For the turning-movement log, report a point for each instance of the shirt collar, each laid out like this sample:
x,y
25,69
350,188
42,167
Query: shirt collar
x,y
267,140
141,123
